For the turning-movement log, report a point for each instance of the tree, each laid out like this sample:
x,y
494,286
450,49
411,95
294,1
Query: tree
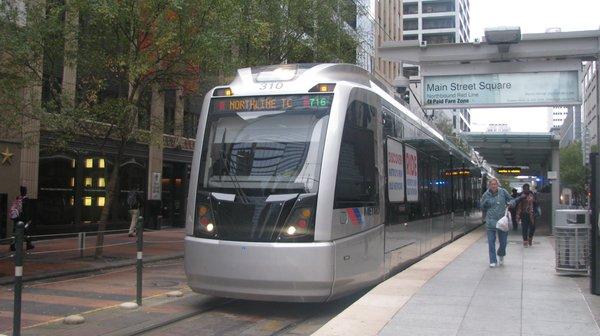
x,y
444,126
573,174
293,32
122,49
131,45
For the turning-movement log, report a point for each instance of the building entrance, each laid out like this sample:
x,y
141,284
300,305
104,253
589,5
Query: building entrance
x,y
174,193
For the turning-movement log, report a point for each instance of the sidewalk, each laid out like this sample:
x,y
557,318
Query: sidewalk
x,y
454,292
61,256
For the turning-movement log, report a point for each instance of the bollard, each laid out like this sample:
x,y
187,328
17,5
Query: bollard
x,y
19,234
81,239
140,243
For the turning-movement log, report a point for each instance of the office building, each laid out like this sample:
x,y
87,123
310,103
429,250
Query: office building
x,y
435,22
589,108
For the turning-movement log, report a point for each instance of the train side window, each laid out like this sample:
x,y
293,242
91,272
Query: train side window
x,y
389,128
356,183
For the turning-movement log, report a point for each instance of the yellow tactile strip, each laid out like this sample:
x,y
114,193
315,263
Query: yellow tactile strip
x,y
374,310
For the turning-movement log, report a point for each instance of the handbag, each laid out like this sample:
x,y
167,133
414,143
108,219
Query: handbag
x,y
505,223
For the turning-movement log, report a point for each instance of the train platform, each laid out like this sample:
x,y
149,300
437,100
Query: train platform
x,y
65,256
455,292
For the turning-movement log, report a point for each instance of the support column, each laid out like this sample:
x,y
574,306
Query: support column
x,y
69,79
179,106
30,148
155,157
555,190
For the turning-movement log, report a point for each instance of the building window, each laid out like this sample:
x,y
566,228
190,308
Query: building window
x,y
89,163
439,38
411,24
191,115
438,23
411,8
439,7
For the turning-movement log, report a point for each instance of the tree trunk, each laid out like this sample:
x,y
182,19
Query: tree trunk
x,y
112,193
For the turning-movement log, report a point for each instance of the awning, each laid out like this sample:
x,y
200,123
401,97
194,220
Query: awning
x,y
514,149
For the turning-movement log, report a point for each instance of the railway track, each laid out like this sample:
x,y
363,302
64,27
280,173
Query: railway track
x,y
234,317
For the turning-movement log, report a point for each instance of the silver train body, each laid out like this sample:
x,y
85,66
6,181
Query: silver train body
x,y
310,182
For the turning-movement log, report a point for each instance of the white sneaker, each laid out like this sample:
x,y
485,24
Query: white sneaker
x,y
500,260
492,265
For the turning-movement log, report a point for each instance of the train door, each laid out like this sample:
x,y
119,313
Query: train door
x,y
358,197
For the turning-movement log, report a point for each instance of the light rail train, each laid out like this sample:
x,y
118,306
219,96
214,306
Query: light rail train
x,y
310,182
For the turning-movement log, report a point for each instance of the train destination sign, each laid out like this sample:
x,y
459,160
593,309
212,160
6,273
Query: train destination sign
x,y
502,90
272,103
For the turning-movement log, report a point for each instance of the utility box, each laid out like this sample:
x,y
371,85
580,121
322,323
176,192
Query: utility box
x,y
572,234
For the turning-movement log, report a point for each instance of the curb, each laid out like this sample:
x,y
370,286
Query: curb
x,y
10,279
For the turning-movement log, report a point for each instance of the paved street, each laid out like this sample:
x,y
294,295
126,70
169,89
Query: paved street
x,y
62,255
44,302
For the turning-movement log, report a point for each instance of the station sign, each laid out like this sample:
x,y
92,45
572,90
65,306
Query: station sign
x,y
549,88
509,171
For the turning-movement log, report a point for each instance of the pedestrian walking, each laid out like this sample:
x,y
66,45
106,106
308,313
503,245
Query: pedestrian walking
x,y
513,210
494,202
527,211
20,211
133,201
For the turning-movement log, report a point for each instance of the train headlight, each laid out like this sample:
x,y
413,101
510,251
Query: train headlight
x,y
298,223
205,221
291,230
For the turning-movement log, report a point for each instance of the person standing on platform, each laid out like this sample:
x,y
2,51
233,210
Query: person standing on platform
x,y
513,210
133,201
494,202
527,211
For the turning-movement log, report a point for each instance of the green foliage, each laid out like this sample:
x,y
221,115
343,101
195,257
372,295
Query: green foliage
x,y
444,126
276,32
573,174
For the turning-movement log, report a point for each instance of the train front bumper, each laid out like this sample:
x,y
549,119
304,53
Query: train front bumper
x,y
295,272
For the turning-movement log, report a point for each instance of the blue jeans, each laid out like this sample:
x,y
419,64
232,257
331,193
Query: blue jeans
x,y
502,238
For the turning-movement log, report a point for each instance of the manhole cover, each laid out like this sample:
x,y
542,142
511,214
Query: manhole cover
x,y
163,283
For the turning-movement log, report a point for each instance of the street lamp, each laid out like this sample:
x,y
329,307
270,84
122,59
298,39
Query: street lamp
x,y
503,37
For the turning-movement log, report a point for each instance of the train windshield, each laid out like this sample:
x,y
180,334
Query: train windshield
x,y
268,143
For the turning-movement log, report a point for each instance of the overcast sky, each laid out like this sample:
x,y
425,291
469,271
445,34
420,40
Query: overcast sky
x,y
533,16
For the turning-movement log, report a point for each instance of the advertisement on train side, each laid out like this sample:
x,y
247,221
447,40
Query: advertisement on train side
x,y
412,174
395,168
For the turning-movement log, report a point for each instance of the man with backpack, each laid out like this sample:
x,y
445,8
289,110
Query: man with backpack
x,y
20,212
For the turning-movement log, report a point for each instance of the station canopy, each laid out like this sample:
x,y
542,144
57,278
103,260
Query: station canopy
x,y
533,150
